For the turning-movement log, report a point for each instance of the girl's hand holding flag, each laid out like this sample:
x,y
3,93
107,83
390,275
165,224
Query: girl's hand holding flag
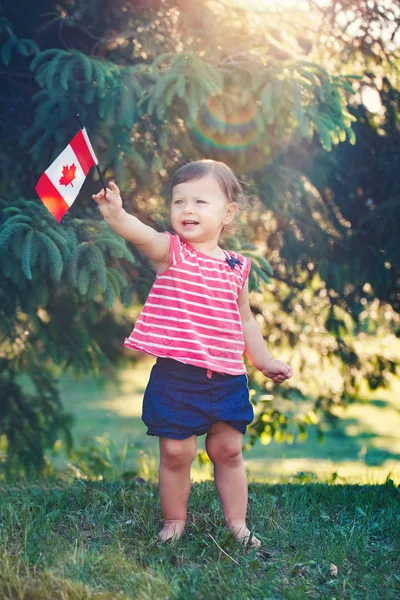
x,y
109,202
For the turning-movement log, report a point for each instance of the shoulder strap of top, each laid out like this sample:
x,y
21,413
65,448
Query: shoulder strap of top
x,y
177,249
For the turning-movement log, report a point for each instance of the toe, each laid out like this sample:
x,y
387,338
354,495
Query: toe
x,y
255,542
249,541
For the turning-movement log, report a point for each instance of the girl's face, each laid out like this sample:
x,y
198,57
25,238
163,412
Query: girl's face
x,y
200,209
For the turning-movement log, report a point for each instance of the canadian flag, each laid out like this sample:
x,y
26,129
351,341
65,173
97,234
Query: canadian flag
x,y
60,183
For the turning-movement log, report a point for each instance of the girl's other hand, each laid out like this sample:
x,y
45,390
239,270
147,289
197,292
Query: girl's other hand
x,y
110,203
277,370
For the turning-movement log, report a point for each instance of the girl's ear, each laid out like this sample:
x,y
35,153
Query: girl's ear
x,y
231,212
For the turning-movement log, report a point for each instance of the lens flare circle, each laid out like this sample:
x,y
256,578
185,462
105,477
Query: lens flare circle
x,y
225,122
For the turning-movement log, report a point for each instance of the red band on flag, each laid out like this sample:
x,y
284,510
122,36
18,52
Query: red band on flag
x,y
51,198
83,154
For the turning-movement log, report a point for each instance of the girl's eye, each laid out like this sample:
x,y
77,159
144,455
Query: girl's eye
x,y
178,202
201,201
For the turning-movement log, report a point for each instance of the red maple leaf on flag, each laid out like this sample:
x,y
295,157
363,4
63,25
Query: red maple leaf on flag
x,y
68,175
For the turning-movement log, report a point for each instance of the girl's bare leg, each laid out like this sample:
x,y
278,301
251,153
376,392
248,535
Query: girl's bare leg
x,y
176,456
224,447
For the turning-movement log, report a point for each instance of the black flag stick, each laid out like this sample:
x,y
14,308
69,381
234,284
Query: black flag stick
x,y
97,166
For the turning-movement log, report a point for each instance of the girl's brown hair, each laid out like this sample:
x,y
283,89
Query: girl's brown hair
x,y
225,177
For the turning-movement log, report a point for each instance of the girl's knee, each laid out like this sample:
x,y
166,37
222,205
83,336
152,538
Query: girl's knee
x,y
177,453
225,452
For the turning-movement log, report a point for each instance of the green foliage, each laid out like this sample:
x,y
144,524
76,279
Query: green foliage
x,y
55,282
30,422
13,45
304,95
187,77
78,253
260,269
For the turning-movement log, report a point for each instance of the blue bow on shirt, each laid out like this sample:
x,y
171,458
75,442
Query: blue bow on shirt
x,y
232,261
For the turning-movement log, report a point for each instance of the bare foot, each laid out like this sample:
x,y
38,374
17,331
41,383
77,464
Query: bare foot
x,y
172,530
243,534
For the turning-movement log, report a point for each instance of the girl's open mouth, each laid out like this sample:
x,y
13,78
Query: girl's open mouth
x,y
190,223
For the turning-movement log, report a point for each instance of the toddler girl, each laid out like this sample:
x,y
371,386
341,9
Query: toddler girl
x,y
198,323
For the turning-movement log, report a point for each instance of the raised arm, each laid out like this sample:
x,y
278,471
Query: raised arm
x,y
152,243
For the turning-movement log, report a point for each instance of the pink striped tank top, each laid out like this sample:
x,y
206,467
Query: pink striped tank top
x,y
191,314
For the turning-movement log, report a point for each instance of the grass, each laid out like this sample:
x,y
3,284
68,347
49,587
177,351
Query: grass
x,y
364,448
97,540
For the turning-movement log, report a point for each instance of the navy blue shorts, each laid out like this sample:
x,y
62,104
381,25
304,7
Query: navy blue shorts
x,y
181,401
